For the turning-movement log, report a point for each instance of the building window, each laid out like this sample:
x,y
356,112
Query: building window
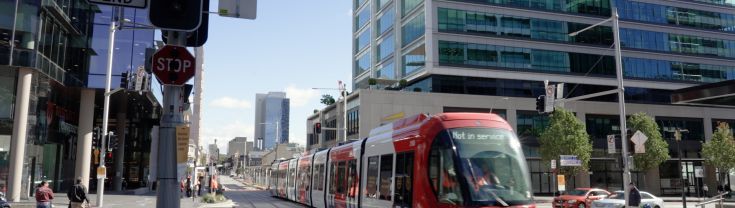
x,y
413,29
363,64
386,21
359,3
362,18
386,47
531,123
413,61
386,71
409,5
363,40
691,142
593,7
330,135
353,121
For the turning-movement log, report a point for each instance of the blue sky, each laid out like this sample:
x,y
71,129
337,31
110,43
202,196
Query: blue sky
x,y
292,46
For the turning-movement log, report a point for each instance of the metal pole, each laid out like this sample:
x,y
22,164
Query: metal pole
x,y
106,108
12,33
678,149
344,96
173,100
621,103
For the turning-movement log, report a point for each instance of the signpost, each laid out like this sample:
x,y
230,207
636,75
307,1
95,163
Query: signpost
x,y
569,160
611,144
142,4
639,139
173,65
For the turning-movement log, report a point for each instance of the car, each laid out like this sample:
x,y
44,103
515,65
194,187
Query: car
x,y
579,198
617,200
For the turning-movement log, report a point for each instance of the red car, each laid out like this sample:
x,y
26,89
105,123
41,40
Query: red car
x,y
579,198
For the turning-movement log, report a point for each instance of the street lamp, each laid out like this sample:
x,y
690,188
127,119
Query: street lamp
x,y
621,94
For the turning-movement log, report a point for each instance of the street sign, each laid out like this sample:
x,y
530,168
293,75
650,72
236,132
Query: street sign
x,y
561,182
553,164
182,144
101,172
611,144
173,65
639,139
569,160
245,9
142,4
698,172
550,95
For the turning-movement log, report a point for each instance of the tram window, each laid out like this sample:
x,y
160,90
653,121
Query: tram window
x,y
351,178
371,185
318,177
386,176
341,178
441,171
332,178
404,174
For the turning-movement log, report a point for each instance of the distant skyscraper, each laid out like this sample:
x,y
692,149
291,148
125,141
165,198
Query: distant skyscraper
x,y
271,118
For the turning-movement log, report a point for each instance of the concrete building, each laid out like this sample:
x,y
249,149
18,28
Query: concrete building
x,y
237,146
271,119
500,52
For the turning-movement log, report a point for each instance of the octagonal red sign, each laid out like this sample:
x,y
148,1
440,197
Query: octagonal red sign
x,y
173,65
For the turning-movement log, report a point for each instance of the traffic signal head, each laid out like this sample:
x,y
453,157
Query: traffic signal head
x,y
177,15
124,80
541,104
318,128
199,36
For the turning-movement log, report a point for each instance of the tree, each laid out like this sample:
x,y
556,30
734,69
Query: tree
x,y
657,150
720,151
327,99
565,135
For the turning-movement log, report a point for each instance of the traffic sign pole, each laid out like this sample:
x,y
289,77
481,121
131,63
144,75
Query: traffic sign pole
x,y
106,108
173,101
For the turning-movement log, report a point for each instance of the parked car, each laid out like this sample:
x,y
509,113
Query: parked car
x,y
617,200
579,198
3,202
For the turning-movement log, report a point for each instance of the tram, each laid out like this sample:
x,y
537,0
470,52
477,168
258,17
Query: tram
x,y
444,160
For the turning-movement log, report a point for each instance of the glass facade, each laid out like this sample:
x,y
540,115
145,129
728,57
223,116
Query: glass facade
x,y
362,18
660,14
386,47
413,61
691,142
409,5
481,55
719,2
386,21
382,3
413,29
688,44
359,3
386,71
590,7
363,40
362,64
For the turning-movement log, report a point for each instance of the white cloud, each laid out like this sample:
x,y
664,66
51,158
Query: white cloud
x,y
300,97
229,102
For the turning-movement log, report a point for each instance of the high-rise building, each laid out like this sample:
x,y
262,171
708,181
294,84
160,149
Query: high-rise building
x,y
238,145
271,119
493,56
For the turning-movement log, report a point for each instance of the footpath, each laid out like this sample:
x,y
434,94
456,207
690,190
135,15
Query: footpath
x,y
131,198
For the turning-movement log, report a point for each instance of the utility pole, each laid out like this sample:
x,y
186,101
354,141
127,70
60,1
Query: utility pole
x,y
106,107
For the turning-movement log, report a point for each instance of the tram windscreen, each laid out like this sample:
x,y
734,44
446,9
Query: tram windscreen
x,y
493,166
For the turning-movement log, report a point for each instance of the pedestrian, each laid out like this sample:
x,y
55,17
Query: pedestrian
x,y
181,187
78,195
635,196
188,186
199,189
44,195
705,189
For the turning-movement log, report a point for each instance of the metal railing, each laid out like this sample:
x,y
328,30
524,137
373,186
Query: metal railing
x,y
719,199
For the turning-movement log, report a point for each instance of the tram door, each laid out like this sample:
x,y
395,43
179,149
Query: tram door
x,y
404,180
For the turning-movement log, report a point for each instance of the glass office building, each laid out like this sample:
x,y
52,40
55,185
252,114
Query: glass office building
x,y
272,111
507,48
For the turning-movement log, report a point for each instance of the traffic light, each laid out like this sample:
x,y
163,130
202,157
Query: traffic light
x,y
177,15
318,128
199,36
541,104
113,141
124,80
96,134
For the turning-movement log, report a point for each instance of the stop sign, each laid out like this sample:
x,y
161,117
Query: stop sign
x,y
173,65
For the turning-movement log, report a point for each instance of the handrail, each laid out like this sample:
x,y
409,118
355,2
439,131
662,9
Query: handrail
x,y
714,199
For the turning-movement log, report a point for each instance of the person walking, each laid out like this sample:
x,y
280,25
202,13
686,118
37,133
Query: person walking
x,y
44,195
705,189
187,186
78,195
635,196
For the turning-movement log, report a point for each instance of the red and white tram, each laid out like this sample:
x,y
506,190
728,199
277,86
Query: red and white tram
x,y
446,160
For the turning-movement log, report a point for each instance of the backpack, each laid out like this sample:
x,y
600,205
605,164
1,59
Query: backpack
x,y
72,194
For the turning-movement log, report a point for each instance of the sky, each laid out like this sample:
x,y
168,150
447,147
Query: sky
x,y
292,46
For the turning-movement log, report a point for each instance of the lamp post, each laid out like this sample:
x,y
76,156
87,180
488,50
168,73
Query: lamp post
x,y
621,94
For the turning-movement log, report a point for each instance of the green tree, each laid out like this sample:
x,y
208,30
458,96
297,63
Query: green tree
x,y
565,135
327,99
720,151
657,150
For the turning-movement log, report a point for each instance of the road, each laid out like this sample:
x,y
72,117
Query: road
x,y
250,197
